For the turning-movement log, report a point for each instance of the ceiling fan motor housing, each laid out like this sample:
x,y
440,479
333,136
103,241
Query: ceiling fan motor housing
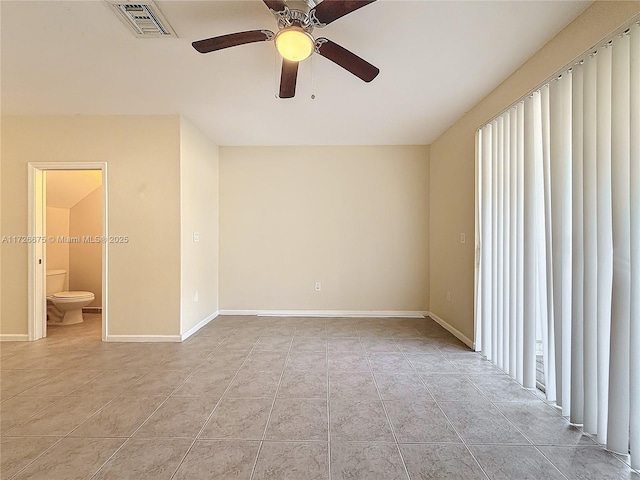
x,y
295,18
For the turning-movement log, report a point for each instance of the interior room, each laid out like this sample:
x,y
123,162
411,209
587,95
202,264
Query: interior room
x,y
315,281
73,252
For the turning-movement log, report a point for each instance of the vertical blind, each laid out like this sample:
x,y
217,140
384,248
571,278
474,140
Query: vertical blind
x,y
558,240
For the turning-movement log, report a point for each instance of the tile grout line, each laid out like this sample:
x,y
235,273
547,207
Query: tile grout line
x,y
35,414
386,414
548,460
15,475
275,397
48,379
328,397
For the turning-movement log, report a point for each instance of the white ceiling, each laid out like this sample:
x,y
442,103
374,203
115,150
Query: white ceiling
x,y
65,188
437,60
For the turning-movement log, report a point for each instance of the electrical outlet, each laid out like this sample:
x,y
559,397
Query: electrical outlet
x,y
195,296
318,286
196,237
448,296
463,238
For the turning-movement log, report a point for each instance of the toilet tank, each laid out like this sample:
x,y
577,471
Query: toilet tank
x,y
55,281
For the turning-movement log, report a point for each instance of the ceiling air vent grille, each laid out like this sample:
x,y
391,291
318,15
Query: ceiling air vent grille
x,y
143,18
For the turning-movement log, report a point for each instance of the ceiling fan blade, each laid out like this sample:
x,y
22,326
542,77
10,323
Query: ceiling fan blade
x,y
346,59
288,79
275,5
231,40
329,10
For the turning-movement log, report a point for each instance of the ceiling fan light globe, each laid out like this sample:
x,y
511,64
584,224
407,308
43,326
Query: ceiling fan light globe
x,y
294,44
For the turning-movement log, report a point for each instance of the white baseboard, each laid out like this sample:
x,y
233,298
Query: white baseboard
x,y
143,338
194,329
329,313
161,338
457,333
14,337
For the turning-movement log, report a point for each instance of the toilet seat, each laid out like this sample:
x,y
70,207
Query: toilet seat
x,y
63,297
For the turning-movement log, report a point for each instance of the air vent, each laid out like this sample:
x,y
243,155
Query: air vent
x,y
143,18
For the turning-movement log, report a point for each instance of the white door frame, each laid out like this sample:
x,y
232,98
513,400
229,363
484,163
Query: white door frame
x,y
37,309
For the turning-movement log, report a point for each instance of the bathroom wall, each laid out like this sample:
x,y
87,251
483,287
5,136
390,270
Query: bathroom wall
x,y
85,259
58,252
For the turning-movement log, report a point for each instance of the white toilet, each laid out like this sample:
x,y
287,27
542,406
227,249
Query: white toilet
x,y
64,308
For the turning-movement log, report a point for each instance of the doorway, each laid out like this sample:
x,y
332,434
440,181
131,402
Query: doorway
x,y
51,247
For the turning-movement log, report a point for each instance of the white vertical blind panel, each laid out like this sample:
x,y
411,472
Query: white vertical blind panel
x,y
493,355
560,112
566,90
577,281
548,337
476,280
477,296
520,242
485,260
605,239
556,137
513,222
530,251
506,196
590,236
618,426
499,251
634,327
539,229
560,147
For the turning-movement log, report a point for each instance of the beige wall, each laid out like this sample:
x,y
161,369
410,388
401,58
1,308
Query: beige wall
x,y
142,153
353,218
453,161
199,213
58,252
85,258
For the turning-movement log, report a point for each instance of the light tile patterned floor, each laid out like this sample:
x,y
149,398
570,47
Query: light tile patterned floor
x,y
280,398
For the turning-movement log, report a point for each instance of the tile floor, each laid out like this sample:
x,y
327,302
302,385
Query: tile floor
x,y
280,398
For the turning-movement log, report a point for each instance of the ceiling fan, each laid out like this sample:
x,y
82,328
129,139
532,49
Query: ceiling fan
x,y
295,42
